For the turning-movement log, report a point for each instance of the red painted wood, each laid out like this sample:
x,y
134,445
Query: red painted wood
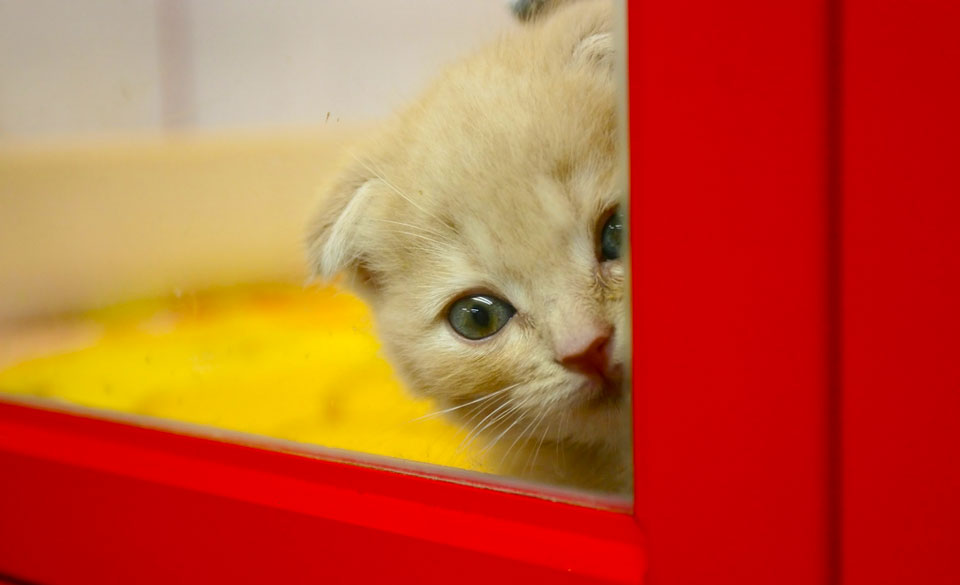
x,y
730,217
119,504
901,504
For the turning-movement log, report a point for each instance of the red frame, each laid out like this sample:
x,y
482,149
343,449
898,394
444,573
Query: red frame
x,y
145,505
901,303
732,308
792,305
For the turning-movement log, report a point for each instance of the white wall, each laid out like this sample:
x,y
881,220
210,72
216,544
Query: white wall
x,y
77,67
108,67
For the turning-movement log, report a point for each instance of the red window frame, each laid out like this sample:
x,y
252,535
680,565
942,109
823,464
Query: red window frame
x,y
774,257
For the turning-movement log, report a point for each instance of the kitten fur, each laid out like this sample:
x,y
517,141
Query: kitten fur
x,y
497,180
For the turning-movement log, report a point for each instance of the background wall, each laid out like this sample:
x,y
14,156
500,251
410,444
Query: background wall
x,y
108,67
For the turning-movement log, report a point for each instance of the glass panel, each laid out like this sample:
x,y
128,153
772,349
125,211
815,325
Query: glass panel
x,y
172,172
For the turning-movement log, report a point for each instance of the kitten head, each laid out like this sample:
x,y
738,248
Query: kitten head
x,y
482,228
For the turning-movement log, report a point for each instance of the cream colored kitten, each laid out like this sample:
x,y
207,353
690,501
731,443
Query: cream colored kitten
x,y
483,228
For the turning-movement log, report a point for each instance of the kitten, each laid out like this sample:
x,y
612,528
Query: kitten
x,y
483,228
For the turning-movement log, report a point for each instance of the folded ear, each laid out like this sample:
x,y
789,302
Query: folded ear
x,y
335,234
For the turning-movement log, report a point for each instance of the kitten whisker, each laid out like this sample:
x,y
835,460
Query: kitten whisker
x,y
459,406
491,428
531,457
523,434
536,453
500,436
478,429
503,416
475,427
475,412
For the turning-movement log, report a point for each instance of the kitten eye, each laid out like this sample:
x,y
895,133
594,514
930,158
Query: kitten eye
x,y
611,235
479,316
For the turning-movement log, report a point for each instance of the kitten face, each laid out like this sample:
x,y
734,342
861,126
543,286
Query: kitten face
x,y
498,183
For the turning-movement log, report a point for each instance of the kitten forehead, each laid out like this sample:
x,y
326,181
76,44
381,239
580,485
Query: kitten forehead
x,y
496,125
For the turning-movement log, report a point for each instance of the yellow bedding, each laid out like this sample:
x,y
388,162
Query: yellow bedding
x,y
276,360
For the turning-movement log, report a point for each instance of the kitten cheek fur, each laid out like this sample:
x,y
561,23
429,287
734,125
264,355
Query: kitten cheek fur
x,y
496,180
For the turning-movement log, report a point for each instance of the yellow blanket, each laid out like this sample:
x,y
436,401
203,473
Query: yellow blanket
x,y
276,360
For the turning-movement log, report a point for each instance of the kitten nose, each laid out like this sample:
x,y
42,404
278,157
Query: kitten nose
x,y
587,353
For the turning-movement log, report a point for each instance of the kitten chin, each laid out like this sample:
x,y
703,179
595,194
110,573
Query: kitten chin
x,y
482,227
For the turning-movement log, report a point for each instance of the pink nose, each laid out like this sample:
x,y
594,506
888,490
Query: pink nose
x,y
588,355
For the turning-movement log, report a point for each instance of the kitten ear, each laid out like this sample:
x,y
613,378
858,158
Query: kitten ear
x,y
334,238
